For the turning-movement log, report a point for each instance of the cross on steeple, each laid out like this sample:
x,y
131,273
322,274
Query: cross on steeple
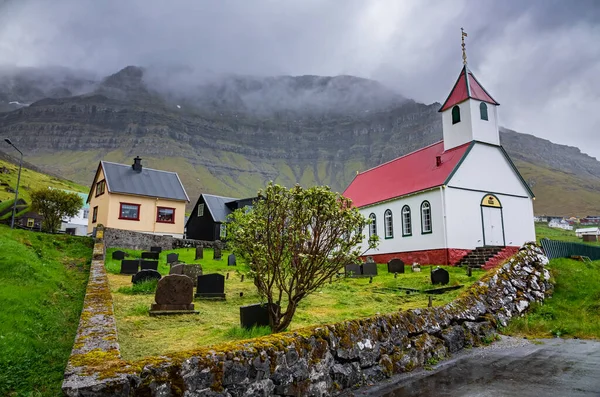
x,y
464,50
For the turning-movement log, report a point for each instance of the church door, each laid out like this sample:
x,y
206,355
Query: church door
x,y
492,220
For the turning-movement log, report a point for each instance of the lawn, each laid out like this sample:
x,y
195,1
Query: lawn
x,y
141,335
574,308
42,285
542,230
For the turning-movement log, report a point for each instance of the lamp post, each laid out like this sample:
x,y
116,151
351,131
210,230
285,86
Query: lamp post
x,y
12,221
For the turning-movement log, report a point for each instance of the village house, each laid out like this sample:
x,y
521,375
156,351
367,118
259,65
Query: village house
x,y
440,203
136,198
560,224
78,224
590,231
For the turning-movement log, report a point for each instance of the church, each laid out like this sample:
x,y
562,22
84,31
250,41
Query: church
x,y
460,197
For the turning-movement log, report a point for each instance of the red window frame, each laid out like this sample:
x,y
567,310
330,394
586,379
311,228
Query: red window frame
x,y
129,219
98,184
165,208
95,215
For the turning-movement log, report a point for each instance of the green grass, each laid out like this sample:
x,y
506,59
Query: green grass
x,y
42,285
542,230
141,335
574,308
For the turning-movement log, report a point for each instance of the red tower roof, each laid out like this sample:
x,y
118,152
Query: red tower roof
x,y
467,87
408,174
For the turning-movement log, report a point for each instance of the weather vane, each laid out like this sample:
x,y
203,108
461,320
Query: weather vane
x,y
464,50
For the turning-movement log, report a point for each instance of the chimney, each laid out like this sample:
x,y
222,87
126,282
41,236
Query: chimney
x,y
137,164
438,161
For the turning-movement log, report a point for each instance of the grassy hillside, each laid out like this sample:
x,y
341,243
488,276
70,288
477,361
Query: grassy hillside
x,y
42,285
543,231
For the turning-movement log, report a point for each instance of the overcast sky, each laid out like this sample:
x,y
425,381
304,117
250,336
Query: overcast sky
x,y
540,59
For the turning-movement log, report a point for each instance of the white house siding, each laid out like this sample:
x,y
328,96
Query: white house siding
x,y
417,241
484,130
459,133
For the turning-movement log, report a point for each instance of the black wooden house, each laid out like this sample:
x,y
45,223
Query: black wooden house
x,y
209,216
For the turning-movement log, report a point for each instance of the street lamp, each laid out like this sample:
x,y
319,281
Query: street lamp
x,y
12,221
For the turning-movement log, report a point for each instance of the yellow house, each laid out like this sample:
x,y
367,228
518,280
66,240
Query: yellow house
x,y
132,197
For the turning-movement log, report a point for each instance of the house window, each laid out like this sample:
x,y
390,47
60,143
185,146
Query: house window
x,y
483,111
95,215
130,211
30,222
425,217
165,215
373,225
223,230
100,187
389,224
200,209
455,114
406,221
86,213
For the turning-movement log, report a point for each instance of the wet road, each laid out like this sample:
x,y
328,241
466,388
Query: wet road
x,y
569,368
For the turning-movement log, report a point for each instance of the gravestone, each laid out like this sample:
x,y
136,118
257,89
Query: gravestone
x,y
369,269
148,265
370,259
172,258
176,269
231,260
211,286
193,271
416,268
150,255
130,266
174,295
145,275
118,255
440,276
256,315
156,249
199,253
352,270
395,265
217,254
469,271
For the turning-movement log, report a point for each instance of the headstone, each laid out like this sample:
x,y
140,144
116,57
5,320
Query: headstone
x,y
231,260
211,286
150,255
395,266
192,271
174,295
199,253
145,275
149,265
217,254
156,249
352,270
440,276
172,257
118,255
130,266
369,269
370,259
176,269
256,315
416,268
469,271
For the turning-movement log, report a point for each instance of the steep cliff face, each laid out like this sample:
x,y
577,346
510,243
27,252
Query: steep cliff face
x,y
232,134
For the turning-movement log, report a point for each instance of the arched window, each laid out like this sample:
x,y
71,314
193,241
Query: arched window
x,y
483,111
406,221
373,225
455,114
425,217
389,224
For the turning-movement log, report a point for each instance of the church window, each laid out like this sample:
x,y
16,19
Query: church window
x,y
406,221
425,217
389,224
483,111
373,225
455,114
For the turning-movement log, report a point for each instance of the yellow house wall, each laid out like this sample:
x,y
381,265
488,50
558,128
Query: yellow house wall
x,y
102,202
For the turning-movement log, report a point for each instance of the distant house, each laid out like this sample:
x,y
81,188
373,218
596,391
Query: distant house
x,y
209,216
78,224
590,220
29,220
132,197
594,231
560,224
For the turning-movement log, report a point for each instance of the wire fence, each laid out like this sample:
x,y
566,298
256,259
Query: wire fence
x,y
561,249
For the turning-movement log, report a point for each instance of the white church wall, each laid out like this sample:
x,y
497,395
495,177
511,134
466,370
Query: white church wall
x,y
484,130
459,133
415,242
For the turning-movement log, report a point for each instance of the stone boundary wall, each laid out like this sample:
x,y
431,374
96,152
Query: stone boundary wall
x,y
118,238
325,360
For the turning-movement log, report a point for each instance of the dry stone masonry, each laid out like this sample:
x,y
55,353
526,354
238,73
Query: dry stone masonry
x,y
320,361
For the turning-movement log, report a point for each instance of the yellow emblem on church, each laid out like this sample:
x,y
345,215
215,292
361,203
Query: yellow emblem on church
x,y
490,201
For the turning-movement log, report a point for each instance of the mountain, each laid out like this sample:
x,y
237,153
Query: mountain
x,y
228,134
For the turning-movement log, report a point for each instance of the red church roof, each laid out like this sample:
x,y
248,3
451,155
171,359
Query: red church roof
x,y
405,175
465,88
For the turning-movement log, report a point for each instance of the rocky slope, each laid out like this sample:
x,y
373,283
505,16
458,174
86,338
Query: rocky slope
x,y
231,134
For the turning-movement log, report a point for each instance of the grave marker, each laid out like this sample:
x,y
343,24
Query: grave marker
x,y
172,257
174,295
369,269
118,255
256,315
211,286
148,265
231,260
193,271
176,269
416,268
352,270
395,265
217,254
199,253
145,275
150,255
156,249
130,266
440,276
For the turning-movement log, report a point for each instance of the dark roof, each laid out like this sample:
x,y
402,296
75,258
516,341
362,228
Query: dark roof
x,y
216,206
121,178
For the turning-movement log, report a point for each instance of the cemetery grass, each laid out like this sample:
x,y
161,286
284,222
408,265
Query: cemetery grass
x,y
42,285
347,298
542,230
573,311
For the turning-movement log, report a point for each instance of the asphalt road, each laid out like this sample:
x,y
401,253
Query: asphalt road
x,y
552,367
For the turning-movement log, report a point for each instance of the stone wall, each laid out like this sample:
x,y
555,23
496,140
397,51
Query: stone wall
x,y
117,238
325,360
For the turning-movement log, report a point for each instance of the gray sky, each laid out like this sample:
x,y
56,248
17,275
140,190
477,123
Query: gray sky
x,y
540,59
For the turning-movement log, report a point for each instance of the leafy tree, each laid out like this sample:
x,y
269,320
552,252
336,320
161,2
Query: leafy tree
x,y
54,205
294,241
